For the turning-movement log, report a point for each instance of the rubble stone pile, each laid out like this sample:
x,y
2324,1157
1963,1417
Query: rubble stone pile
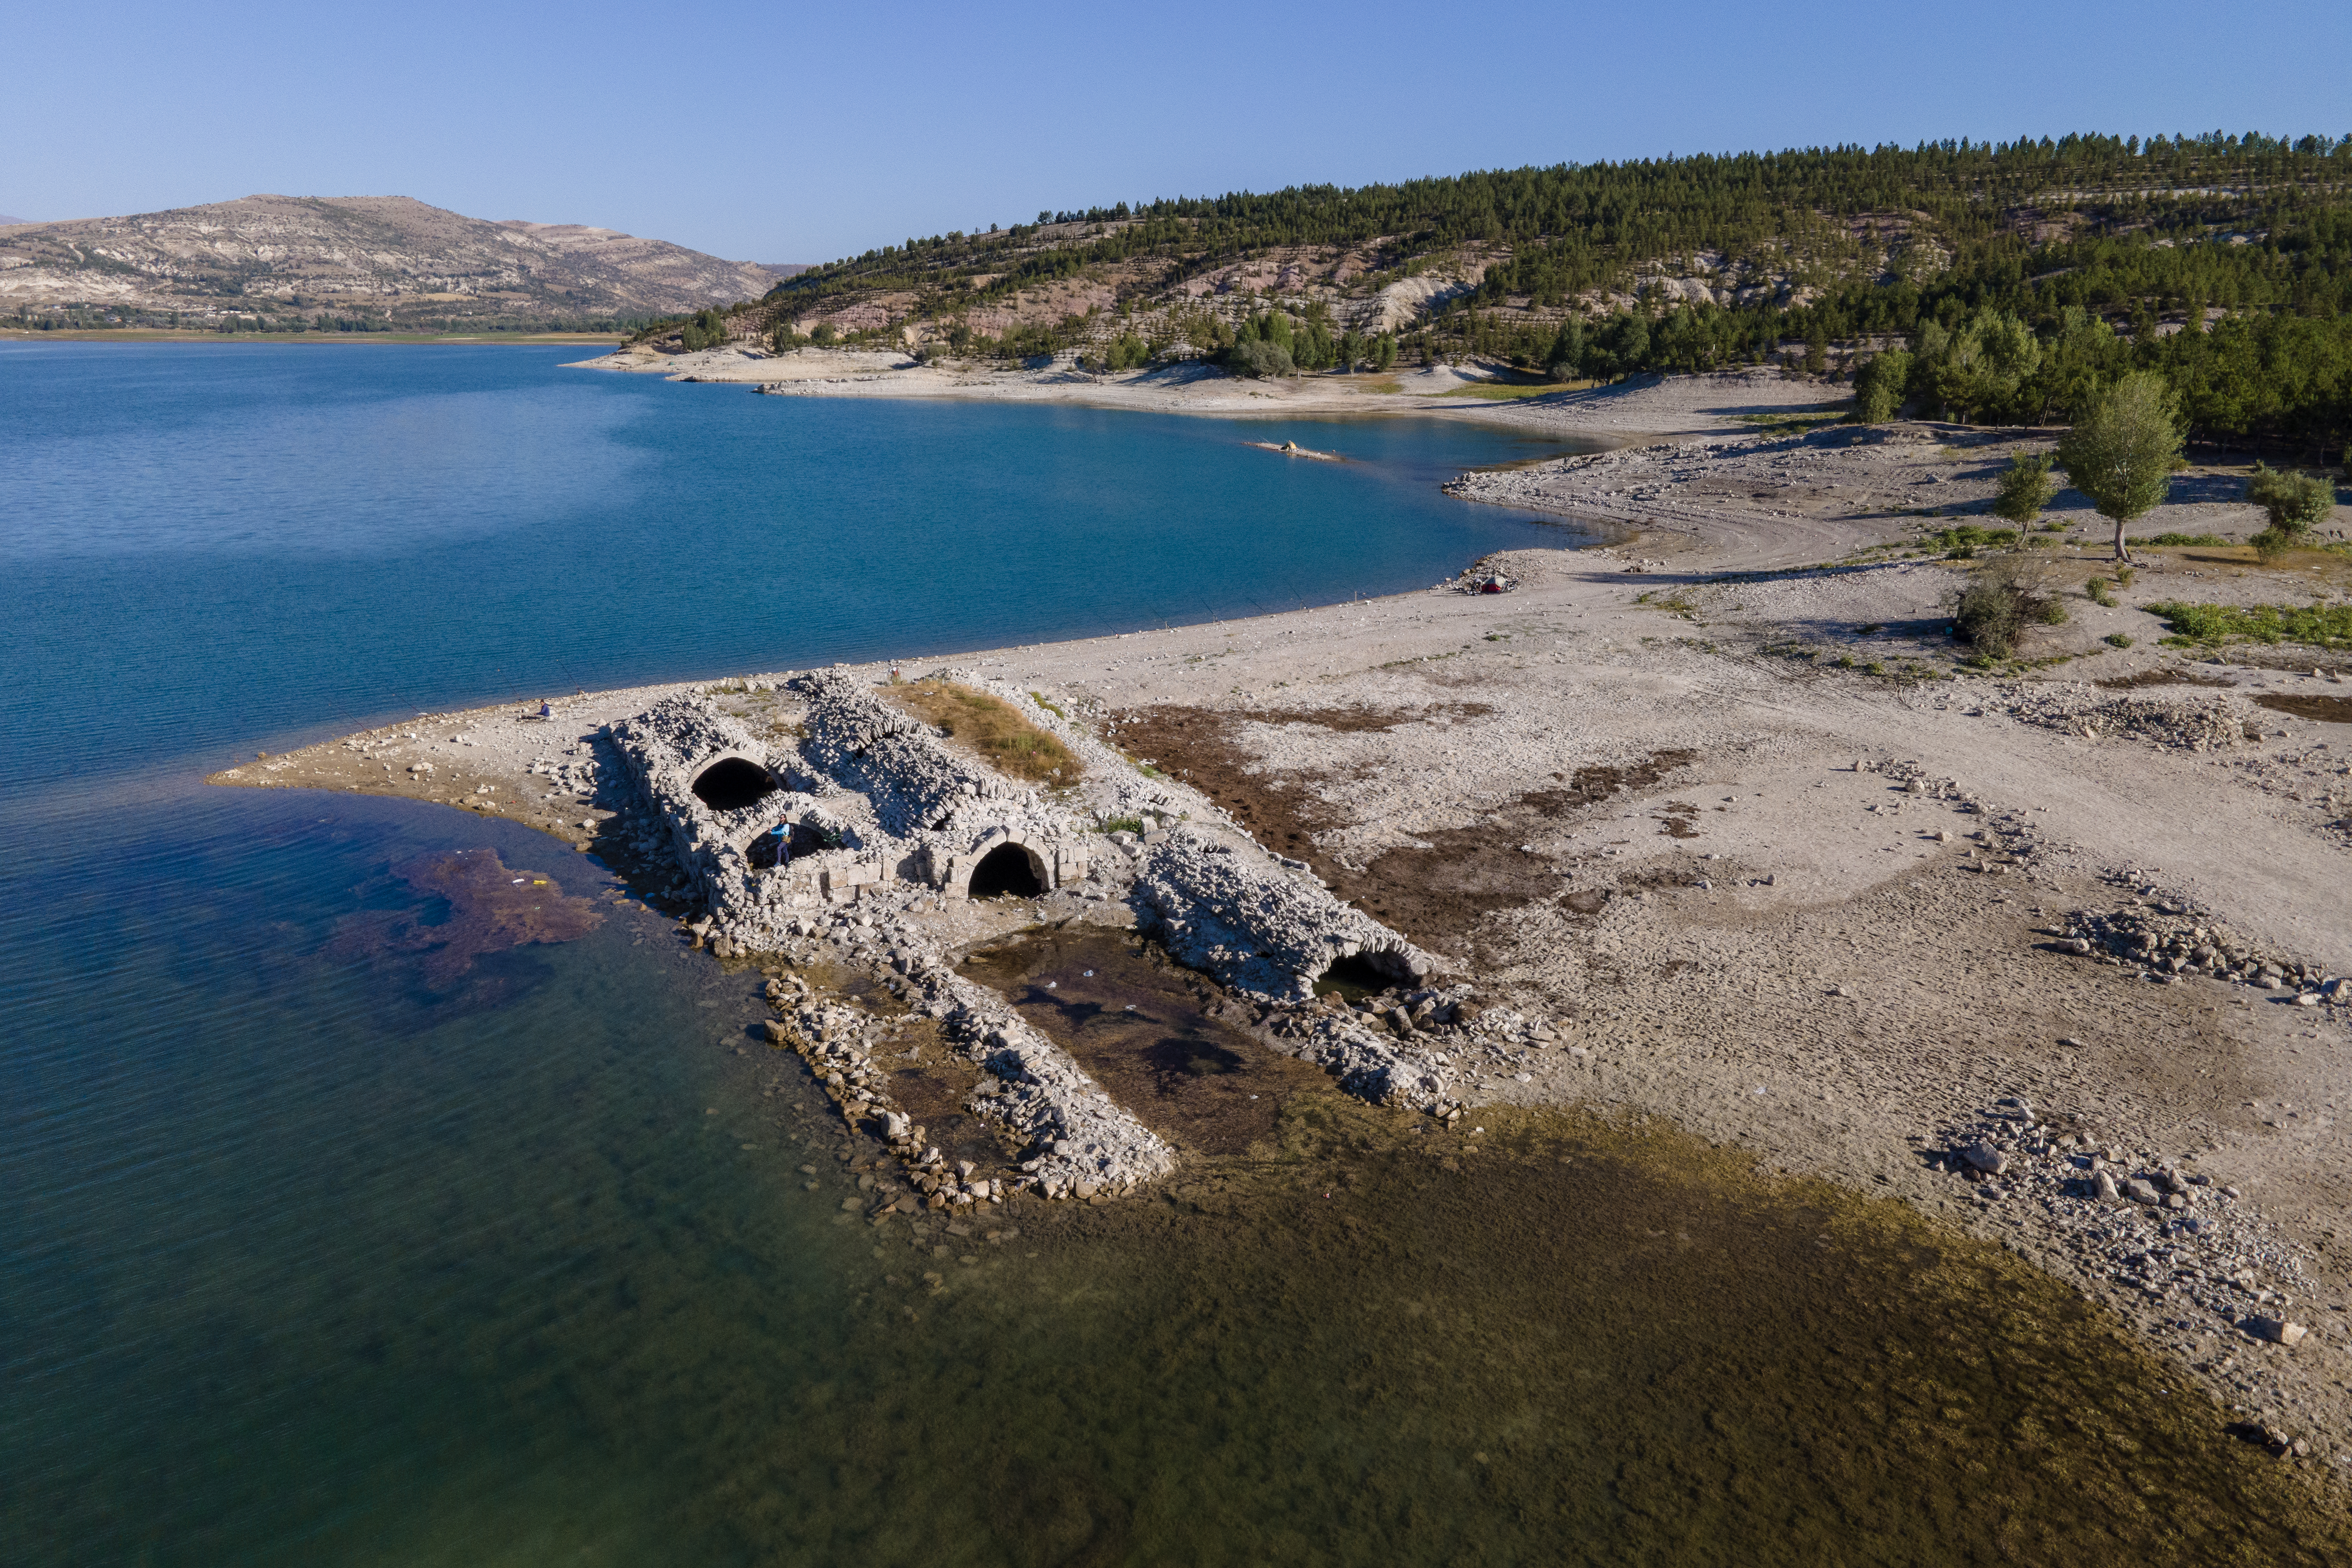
x,y
2186,719
2149,1231
2168,941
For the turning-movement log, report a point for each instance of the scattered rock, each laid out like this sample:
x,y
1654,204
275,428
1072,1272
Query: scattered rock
x,y
2277,1331
1986,1158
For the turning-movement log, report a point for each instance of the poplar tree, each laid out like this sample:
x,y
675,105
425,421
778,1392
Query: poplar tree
x,y
2123,452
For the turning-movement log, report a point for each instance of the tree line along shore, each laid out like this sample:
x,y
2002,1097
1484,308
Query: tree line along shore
x,y
2022,280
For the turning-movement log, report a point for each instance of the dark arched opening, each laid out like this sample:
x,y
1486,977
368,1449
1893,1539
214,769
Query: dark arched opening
x,y
803,840
730,783
1354,978
1008,869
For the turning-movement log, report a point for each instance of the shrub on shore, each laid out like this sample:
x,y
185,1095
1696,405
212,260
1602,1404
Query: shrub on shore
x,y
2296,504
1962,540
1253,357
1998,604
2320,626
2026,488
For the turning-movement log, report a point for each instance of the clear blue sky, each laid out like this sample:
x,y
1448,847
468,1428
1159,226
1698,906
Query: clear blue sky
x,y
792,133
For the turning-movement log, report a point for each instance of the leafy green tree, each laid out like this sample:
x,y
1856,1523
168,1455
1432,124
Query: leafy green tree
x,y
1255,357
1878,386
1124,352
2123,451
1817,348
1311,347
2025,488
2078,365
1621,347
1565,360
1270,327
1980,371
825,336
1384,351
2296,504
1351,350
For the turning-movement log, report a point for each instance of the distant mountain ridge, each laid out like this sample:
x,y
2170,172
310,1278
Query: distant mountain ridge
x,y
390,261
7,221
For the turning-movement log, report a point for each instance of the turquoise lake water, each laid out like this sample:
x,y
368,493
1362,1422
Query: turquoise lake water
x,y
318,1253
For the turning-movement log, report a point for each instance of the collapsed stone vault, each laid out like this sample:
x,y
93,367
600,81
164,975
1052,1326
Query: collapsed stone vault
x,y
884,820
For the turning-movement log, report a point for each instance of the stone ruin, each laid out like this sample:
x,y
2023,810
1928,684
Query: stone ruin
x,y
883,817
875,798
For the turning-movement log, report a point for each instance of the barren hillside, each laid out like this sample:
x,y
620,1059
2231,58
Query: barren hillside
x,y
388,260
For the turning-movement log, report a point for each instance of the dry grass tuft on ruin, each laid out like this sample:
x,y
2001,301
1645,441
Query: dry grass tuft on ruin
x,y
992,728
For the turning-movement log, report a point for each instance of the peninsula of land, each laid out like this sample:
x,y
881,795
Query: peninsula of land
x,y
1716,824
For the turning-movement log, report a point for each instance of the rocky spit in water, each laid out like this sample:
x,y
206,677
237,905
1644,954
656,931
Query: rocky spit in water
x,y
899,826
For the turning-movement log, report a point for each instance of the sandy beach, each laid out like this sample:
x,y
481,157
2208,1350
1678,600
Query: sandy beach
x,y
1719,805
1649,406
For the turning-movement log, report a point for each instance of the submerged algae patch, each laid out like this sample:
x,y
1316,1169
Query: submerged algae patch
x,y
1156,1035
1562,1338
1564,1341
489,908
1637,1348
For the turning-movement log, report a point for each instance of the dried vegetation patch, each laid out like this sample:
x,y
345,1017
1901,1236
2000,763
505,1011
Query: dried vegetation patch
x,y
992,728
1440,892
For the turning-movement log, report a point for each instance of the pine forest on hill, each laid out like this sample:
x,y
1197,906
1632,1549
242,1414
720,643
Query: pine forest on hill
x,y
2023,277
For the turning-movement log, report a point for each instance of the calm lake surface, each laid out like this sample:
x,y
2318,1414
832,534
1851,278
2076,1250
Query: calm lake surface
x,y
320,1250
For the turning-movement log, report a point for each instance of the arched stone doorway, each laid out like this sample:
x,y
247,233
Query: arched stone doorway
x,y
1012,869
803,840
730,783
1367,973
1353,978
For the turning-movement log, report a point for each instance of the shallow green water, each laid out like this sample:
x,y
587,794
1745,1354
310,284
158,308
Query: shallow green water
x,y
543,1281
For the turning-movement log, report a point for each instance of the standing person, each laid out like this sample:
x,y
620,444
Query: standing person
x,y
782,834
